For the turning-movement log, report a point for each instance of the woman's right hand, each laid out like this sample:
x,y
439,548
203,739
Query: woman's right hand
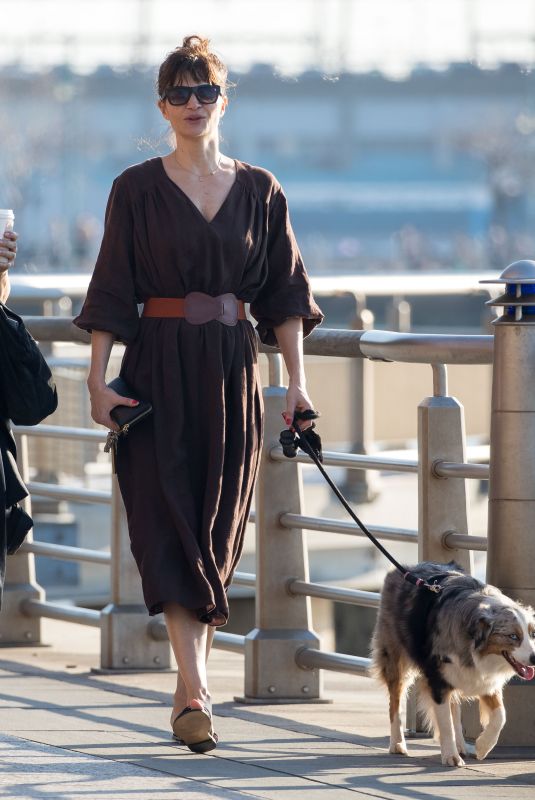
x,y
103,399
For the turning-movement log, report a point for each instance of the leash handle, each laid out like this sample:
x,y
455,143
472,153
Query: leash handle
x,y
304,444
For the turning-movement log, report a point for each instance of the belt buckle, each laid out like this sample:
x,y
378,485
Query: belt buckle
x,y
229,309
200,307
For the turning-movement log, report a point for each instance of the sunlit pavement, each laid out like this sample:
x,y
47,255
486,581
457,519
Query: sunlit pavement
x,y
69,733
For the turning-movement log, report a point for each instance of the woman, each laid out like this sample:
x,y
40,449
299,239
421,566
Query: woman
x,y
194,235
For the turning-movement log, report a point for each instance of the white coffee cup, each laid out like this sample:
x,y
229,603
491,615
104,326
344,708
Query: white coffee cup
x,y
7,220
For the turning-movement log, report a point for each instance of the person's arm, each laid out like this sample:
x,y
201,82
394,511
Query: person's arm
x,y
290,340
103,399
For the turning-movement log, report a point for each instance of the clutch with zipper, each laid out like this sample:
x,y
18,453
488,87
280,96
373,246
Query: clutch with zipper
x,y
124,416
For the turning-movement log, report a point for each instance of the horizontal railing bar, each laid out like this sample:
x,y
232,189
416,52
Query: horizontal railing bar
x,y
427,348
232,642
62,432
463,541
244,579
338,662
355,597
66,493
453,469
66,553
56,329
350,460
289,520
416,348
83,616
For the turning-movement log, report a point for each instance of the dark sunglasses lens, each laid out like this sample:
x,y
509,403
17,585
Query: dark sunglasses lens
x,y
178,95
207,93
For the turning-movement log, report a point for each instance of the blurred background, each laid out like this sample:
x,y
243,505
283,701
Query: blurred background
x,y
402,130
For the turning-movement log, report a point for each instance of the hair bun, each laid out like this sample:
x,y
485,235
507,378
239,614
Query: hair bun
x,y
196,45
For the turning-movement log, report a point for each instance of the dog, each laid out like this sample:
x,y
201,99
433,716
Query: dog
x,y
466,641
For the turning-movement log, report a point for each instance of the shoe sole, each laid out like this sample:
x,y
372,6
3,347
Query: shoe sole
x,y
194,729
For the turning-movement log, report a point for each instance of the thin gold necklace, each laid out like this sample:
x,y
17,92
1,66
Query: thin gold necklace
x,y
199,177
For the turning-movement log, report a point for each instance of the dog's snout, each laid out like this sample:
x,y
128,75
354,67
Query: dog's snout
x,y
532,658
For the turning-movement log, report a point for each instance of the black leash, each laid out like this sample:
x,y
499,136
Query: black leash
x,y
310,442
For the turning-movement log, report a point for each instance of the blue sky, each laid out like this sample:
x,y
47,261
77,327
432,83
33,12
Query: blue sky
x,y
390,35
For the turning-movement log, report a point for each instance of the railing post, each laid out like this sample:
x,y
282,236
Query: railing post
x,y
126,642
283,622
442,502
362,486
511,532
20,582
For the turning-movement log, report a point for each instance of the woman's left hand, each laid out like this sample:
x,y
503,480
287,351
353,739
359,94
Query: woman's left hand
x,y
8,250
297,399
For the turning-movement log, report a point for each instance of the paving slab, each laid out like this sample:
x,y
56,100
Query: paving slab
x,y
72,733
30,771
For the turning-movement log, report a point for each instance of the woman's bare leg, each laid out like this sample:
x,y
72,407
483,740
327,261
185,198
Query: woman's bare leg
x,y
191,641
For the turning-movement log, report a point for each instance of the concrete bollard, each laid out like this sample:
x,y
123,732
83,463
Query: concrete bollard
x,y
283,621
511,530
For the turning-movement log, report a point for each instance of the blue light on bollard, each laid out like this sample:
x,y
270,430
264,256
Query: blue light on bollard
x,y
518,301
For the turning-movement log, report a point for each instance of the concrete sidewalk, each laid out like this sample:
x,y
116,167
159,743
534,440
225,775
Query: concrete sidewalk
x,y
70,734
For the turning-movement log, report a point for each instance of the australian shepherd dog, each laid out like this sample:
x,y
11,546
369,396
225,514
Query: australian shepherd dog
x,y
466,641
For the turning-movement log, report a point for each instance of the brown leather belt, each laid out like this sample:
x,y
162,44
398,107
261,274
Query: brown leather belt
x,y
197,308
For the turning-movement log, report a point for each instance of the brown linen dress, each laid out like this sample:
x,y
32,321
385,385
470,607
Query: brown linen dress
x,y
187,473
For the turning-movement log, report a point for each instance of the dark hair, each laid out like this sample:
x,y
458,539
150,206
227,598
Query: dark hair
x,y
194,59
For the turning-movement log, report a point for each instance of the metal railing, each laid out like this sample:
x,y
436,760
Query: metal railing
x,y
416,348
355,344
283,658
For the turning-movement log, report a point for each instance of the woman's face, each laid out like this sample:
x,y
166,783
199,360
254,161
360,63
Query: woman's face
x,y
194,119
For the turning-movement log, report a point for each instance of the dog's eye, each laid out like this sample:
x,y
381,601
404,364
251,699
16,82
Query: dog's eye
x,y
514,637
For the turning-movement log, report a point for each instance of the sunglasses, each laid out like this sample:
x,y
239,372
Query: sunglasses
x,y
206,93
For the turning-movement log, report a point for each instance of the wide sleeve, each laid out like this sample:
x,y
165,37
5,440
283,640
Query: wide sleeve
x,y
110,304
286,291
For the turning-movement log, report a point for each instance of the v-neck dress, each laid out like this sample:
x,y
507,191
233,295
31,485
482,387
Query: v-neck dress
x,y
187,472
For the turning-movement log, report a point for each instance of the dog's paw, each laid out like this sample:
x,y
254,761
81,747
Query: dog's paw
x,y
399,748
452,760
482,748
462,747
469,750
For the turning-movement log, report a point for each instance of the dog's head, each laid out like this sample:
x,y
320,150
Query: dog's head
x,y
507,629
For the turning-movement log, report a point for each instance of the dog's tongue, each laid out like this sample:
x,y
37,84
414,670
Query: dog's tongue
x,y
525,672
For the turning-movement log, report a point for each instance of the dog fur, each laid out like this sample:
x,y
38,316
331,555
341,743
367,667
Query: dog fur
x,y
465,642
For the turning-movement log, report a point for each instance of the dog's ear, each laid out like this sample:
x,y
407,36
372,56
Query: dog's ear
x,y
482,626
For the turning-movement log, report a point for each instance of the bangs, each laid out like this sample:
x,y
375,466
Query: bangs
x,y
196,68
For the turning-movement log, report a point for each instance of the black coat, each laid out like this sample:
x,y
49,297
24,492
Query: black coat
x,y
14,523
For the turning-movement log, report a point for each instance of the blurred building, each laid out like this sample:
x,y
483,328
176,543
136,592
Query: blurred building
x,y
431,172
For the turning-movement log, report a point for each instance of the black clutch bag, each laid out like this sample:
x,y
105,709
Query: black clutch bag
x,y
124,416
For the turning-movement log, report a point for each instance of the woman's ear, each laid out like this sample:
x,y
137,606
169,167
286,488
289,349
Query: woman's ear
x,y
224,105
163,108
